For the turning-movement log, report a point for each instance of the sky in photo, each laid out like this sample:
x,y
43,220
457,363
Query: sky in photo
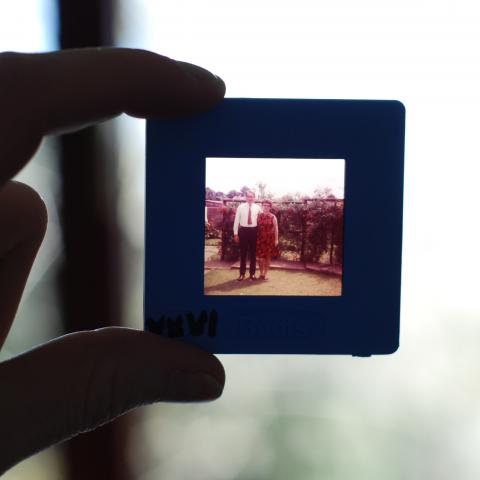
x,y
282,175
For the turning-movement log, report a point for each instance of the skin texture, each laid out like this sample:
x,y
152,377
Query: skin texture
x,y
79,381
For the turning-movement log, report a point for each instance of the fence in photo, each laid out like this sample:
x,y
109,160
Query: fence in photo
x,y
310,230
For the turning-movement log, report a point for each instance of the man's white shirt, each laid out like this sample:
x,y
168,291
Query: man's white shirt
x,y
241,216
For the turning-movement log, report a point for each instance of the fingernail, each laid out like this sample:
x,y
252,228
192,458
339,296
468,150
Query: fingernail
x,y
199,72
194,387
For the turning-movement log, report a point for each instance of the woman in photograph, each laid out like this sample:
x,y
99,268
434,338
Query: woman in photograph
x,y
267,238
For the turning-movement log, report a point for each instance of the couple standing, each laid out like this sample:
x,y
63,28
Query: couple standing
x,y
256,230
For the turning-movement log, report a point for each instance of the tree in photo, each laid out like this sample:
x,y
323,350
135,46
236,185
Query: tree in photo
x,y
263,193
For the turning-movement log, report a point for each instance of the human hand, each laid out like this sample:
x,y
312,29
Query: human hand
x,y
236,239
79,381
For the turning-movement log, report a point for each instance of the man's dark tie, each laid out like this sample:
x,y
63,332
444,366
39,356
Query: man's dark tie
x,y
249,214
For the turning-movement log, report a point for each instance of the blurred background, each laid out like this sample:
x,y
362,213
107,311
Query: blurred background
x,y
415,414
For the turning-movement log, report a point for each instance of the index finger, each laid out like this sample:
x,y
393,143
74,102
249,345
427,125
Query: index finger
x,y
51,92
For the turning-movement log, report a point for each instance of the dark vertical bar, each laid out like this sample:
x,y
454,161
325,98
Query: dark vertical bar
x,y
90,279
332,239
304,233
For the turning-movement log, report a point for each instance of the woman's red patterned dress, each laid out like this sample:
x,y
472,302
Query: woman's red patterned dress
x,y
266,236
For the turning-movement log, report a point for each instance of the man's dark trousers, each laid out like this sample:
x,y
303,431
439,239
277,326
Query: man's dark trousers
x,y
248,243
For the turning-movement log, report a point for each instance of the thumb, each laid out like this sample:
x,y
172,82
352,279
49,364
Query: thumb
x,y
79,381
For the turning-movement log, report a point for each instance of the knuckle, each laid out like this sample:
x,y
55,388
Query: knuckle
x,y
23,211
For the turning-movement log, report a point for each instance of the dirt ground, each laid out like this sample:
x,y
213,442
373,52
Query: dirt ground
x,y
279,282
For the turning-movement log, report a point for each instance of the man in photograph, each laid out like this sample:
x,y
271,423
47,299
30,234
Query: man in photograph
x,y
245,233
